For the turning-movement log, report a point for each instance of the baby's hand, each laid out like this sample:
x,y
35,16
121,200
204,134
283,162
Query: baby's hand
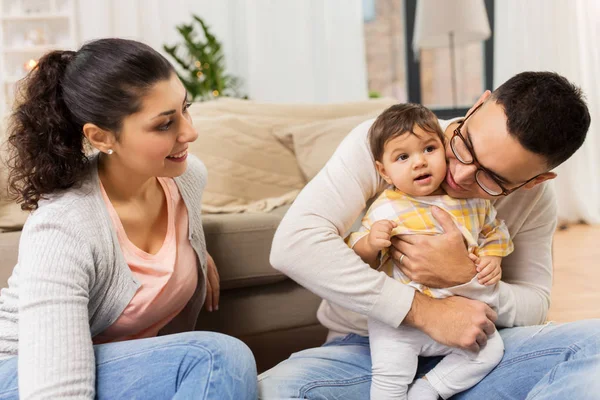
x,y
379,236
488,269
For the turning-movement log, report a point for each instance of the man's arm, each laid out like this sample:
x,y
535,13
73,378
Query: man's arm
x,y
366,252
308,247
530,216
527,281
308,244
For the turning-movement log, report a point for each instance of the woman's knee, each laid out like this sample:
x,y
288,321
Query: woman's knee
x,y
224,349
230,360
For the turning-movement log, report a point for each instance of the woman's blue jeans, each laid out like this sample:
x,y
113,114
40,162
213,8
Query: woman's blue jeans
x,y
192,365
554,361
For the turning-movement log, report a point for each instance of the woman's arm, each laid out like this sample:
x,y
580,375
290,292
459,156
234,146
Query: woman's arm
x,y
56,356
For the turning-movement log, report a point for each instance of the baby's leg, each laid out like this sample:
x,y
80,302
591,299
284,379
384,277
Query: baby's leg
x,y
461,370
394,356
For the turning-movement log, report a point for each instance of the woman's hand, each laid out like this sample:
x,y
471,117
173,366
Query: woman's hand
x,y
213,287
435,261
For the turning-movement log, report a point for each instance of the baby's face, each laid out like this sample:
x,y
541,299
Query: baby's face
x,y
415,164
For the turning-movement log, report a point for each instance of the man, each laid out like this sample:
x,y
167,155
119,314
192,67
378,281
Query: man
x,y
503,150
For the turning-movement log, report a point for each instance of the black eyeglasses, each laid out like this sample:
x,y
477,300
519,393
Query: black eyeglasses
x,y
485,178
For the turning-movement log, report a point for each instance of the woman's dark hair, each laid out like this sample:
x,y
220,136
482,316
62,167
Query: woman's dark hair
x,y
400,119
546,113
102,83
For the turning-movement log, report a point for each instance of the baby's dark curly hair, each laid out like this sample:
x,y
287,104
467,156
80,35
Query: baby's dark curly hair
x,y
102,83
398,120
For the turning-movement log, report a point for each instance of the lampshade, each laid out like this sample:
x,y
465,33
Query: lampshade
x,y
435,20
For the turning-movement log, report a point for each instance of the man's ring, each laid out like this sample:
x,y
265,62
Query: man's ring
x,y
401,258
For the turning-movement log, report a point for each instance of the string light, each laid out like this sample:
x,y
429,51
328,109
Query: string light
x,y
31,64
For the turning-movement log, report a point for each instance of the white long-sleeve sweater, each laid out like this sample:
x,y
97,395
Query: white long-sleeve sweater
x,y
309,246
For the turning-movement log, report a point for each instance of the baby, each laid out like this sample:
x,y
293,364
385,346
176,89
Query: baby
x,y
408,147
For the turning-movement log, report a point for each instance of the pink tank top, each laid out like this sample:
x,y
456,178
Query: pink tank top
x,y
168,278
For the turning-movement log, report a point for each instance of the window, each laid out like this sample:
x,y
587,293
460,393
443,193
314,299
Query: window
x,y
394,71
385,46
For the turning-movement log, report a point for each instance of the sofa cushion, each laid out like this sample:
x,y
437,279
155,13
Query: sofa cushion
x,y
248,168
11,216
241,244
9,249
268,308
315,142
273,320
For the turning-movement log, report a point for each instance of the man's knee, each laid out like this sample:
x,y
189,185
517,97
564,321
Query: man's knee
x,y
313,379
278,383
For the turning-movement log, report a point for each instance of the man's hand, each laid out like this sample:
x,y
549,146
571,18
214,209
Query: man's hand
x,y
213,287
488,269
380,234
454,321
436,261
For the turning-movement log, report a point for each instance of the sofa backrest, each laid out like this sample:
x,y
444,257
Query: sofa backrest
x,y
258,155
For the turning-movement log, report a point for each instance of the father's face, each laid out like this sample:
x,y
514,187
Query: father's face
x,y
496,150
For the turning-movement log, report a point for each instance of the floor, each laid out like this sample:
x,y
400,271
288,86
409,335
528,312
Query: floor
x,y
575,291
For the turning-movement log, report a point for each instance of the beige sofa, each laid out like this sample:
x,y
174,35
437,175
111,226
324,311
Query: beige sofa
x,y
258,157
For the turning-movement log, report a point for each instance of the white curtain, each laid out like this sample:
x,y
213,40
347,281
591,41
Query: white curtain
x,y
560,36
284,51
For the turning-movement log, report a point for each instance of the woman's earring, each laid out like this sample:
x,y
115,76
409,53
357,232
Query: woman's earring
x,y
109,151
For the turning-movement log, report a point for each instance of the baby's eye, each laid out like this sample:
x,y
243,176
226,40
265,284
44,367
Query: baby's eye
x,y
402,157
429,149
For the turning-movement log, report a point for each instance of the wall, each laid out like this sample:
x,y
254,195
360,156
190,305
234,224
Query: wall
x,y
285,51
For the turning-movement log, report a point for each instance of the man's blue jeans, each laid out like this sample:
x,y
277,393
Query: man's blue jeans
x,y
554,361
192,365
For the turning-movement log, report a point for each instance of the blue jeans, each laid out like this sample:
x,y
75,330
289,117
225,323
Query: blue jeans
x,y
192,365
554,361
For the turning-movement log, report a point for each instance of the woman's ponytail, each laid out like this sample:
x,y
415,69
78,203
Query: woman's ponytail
x,y
101,84
46,146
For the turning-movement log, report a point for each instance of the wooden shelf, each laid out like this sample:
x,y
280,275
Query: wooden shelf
x,y
34,17
32,49
56,22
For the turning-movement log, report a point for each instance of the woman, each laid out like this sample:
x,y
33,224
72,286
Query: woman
x,y
114,250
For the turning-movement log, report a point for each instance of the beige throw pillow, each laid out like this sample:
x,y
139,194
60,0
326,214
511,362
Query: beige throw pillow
x,y
314,143
282,115
248,168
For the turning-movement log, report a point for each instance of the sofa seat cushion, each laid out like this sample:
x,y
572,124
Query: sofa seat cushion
x,y
9,250
240,244
251,311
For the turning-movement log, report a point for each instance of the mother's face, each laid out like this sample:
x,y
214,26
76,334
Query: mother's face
x,y
154,140
496,150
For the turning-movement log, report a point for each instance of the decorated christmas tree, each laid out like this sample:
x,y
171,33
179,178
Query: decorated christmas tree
x,y
202,64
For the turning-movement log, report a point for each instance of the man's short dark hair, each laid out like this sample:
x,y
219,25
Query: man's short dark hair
x,y
546,113
398,120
